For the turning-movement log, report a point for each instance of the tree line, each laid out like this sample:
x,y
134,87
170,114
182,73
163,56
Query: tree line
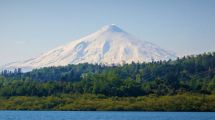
x,y
190,74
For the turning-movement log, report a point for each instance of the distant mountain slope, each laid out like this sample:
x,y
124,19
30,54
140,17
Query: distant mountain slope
x,y
109,45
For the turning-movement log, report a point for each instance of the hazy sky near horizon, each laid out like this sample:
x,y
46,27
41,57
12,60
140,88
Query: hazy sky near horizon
x,y
31,27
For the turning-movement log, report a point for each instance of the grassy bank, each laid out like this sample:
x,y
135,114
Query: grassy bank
x,y
183,102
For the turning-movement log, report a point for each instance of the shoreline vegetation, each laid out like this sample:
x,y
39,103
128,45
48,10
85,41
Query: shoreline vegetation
x,y
88,102
185,84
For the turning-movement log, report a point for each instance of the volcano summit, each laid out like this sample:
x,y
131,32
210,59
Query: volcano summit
x,y
109,45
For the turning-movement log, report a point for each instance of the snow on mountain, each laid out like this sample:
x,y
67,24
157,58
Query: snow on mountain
x,y
109,45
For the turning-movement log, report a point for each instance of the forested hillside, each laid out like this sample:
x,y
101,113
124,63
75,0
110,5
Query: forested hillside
x,y
187,76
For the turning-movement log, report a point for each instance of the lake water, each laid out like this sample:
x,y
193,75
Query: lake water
x,y
71,115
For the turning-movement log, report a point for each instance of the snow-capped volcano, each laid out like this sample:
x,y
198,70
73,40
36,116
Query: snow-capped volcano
x,y
109,45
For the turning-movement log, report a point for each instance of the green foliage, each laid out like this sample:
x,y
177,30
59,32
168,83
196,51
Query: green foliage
x,y
186,84
211,85
180,102
189,74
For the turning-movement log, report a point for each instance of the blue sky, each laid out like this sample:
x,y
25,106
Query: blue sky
x,y
31,27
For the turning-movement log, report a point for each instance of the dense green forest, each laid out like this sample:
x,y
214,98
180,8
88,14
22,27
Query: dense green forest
x,y
185,84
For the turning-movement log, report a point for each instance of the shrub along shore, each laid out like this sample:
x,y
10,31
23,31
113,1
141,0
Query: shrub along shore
x,y
89,102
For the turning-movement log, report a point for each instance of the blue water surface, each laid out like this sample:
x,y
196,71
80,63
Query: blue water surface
x,y
78,115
